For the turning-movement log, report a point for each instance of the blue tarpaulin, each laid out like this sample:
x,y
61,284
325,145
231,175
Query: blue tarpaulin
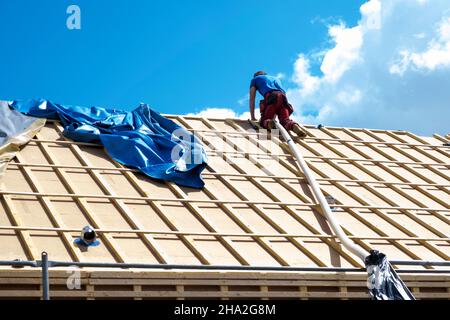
x,y
141,139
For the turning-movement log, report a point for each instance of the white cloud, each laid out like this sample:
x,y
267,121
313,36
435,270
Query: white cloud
x,y
390,71
371,14
306,82
223,113
345,53
436,55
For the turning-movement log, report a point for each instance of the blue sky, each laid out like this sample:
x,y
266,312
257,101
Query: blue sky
x,y
178,56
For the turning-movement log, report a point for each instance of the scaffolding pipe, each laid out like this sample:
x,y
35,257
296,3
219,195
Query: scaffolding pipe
x,y
420,263
45,276
19,263
333,222
35,264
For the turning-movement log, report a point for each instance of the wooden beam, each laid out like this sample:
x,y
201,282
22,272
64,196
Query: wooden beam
x,y
215,174
273,155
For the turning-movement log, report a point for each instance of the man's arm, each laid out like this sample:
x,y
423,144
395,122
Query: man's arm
x,y
252,103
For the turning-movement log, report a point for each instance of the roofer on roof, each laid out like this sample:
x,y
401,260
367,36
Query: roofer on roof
x,y
275,103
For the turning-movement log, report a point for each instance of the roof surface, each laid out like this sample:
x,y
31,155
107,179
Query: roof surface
x,y
389,189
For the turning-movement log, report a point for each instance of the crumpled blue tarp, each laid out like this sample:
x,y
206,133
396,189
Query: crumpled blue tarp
x,y
141,139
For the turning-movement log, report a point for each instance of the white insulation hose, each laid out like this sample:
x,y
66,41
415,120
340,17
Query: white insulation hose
x,y
333,222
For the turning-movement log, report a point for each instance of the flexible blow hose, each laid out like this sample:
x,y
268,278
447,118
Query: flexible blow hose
x,y
333,222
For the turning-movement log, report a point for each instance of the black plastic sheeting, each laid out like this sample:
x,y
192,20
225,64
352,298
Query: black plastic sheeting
x,y
383,282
